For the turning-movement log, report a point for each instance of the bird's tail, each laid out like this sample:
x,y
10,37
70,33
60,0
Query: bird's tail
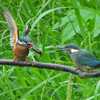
x,y
97,64
12,27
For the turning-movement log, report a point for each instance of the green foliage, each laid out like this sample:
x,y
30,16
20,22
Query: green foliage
x,y
53,22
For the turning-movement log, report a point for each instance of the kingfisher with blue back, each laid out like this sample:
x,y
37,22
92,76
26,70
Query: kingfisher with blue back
x,y
19,45
81,57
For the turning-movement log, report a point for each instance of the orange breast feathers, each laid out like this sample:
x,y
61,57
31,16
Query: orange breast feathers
x,y
13,29
20,53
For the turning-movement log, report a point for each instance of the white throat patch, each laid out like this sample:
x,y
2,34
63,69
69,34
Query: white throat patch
x,y
74,50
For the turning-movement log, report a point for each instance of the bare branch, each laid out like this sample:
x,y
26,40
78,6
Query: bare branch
x,y
51,66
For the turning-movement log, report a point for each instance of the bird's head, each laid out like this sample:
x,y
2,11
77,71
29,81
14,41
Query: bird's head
x,y
28,44
70,48
25,43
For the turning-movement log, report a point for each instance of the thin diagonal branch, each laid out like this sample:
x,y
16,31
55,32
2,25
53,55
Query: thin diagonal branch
x,y
51,66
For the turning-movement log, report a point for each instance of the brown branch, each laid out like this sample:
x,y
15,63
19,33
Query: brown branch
x,y
52,66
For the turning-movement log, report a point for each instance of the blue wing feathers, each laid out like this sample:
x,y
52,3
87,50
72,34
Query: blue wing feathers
x,y
87,59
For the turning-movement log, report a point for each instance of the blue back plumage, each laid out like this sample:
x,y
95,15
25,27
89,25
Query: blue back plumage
x,y
94,63
83,58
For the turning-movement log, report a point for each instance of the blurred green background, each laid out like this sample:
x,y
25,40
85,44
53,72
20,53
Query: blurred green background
x,y
53,22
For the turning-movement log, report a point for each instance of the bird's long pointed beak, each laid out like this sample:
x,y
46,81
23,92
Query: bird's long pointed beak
x,y
61,48
37,50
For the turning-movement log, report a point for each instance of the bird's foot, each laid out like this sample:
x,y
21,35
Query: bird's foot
x,y
79,69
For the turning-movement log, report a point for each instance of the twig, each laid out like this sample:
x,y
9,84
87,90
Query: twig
x,y
51,66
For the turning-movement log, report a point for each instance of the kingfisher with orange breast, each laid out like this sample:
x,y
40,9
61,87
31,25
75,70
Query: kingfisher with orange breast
x,y
20,46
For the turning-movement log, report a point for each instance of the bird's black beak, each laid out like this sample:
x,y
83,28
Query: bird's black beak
x,y
61,48
37,50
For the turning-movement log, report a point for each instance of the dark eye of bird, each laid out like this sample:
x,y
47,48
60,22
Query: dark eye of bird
x,y
23,40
